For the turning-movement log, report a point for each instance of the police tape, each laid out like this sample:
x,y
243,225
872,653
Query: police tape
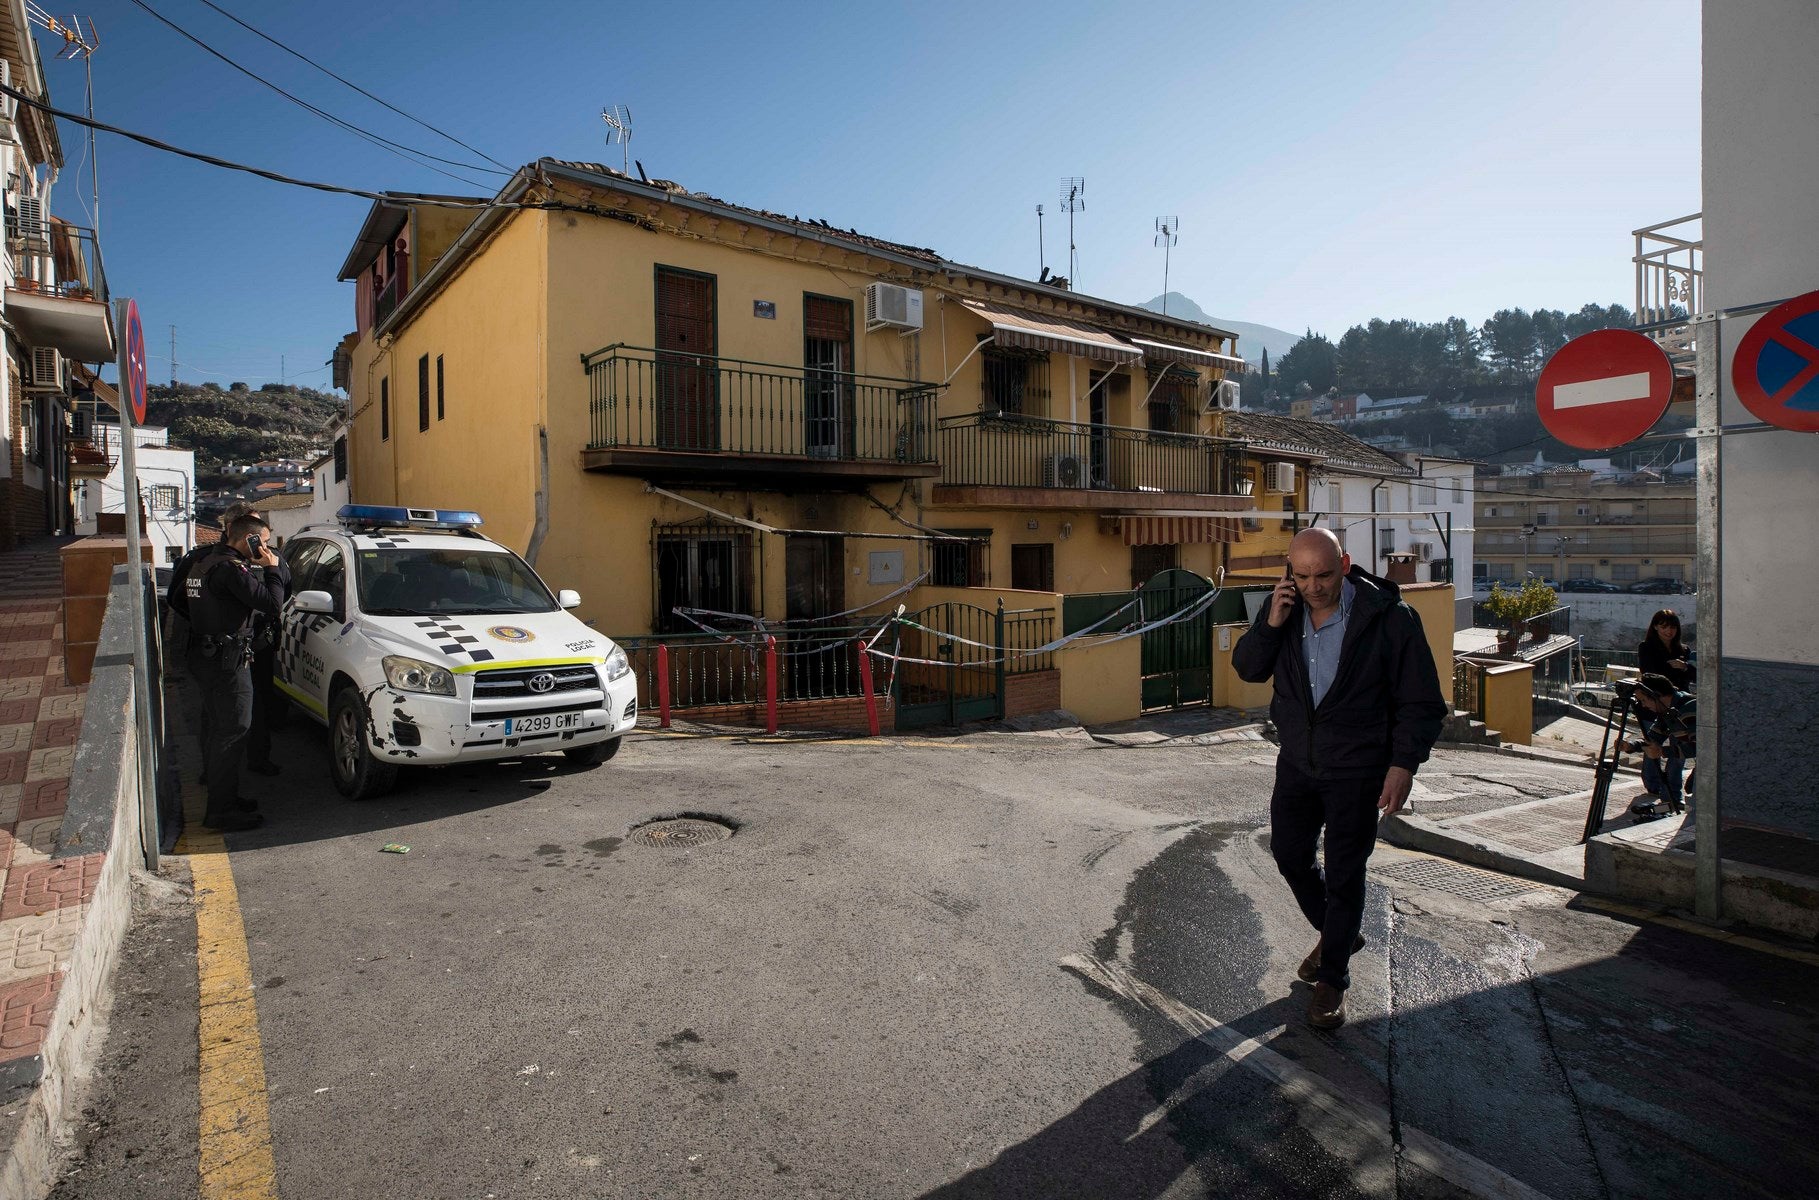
x,y
760,623
1187,613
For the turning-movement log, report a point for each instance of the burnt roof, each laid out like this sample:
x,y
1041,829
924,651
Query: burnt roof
x,y
1335,445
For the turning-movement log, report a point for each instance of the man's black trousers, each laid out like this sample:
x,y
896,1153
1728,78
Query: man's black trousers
x,y
1333,900
227,711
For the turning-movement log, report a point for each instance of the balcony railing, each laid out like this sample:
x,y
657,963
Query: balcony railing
x,y
705,404
982,450
388,297
57,259
1670,280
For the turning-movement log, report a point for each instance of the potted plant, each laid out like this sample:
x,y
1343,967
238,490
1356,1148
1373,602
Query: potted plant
x,y
1517,607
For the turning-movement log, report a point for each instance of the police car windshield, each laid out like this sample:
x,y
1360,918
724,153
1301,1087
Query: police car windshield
x,y
411,582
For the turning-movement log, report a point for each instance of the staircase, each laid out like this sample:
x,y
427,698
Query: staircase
x,y
1465,728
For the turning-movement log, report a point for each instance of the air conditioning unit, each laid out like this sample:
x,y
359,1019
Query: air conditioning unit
x,y
47,370
28,224
1223,396
888,306
1063,471
8,105
1253,524
1423,551
1279,477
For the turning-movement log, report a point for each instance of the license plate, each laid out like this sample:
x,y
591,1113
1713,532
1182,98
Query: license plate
x,y
546,723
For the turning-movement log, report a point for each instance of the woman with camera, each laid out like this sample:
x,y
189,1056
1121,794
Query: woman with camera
x,y
1663,653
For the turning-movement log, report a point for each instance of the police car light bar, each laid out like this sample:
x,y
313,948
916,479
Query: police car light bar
x,y
428,518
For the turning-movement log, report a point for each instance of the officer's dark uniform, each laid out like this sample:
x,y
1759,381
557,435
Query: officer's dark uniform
x,y
224,594
265,697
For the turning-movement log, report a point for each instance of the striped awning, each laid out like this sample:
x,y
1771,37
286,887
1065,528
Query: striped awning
x,y
1017,329
1177,531
1169,352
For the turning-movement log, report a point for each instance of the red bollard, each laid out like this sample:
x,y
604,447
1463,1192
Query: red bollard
x,y
865,683
770,684
663,684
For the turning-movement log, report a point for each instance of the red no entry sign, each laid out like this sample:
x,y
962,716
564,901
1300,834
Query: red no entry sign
x,y
1776,370
132,362
1604,389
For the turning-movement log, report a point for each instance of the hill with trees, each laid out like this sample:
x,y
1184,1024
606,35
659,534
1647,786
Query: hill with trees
x,y
1447,361
242,424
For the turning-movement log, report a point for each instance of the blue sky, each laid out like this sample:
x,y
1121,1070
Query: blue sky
x,y
1329,162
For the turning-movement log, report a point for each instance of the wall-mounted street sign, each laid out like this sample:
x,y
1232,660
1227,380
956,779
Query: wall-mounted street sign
x,y
132,379
1776,369
1603,389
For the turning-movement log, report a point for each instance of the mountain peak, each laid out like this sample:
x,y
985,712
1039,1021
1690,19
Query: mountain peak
x,y
1253,339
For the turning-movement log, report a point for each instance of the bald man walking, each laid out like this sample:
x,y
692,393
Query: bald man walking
x,y
1357,708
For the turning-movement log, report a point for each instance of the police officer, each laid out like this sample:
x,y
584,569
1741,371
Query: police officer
x,y
224,594
266,705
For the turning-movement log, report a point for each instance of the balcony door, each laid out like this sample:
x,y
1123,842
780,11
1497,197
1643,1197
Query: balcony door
x,y
688,391
814,569
827,391
1099,445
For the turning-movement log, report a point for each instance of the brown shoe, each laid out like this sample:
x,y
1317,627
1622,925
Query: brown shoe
x,y
1309,971
1327,1008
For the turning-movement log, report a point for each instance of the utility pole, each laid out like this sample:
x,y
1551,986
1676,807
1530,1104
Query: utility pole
x,y
173,356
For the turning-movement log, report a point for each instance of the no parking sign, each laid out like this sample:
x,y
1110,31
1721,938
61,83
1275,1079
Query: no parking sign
x,y
1776,369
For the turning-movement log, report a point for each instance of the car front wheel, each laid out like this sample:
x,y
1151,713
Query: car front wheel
x,y
594,755
358,775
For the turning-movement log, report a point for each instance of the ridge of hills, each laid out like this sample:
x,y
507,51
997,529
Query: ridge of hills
x,y
240,423
1253,339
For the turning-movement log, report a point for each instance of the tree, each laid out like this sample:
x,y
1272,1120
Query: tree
x,y
1312,361
1266,369
1509,336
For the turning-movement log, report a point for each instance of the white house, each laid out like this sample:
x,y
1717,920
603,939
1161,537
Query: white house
x,y
329,491
167,484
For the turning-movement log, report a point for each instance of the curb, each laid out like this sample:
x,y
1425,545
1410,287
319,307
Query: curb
x,y
1410,831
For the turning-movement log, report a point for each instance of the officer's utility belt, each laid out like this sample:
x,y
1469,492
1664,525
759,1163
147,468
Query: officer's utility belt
x,y
232,649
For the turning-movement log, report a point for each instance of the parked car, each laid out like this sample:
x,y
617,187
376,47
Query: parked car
x,y
390,640
1590,585
1659,586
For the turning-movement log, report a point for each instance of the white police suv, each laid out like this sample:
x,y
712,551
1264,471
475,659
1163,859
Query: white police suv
x,y
418,641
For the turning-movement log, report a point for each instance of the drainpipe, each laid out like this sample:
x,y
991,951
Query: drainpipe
x,y
541,528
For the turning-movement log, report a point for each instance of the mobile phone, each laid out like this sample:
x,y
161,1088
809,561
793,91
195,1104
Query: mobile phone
x,y
255,545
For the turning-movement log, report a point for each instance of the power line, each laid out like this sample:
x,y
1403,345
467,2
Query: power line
x,y
398,148
274,176
376,100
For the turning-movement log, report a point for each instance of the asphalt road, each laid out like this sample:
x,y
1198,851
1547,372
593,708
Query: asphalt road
x,y
996,966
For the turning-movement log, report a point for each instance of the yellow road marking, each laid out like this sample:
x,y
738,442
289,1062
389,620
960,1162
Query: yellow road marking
x,y
236,1135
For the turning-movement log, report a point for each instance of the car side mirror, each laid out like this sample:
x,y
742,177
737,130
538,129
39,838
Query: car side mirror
x,y
568,598
314,601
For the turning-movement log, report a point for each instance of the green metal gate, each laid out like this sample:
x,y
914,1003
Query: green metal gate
x,y
1178,657
961,681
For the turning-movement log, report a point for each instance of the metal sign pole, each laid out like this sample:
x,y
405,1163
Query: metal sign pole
x,y
126,327
1708,419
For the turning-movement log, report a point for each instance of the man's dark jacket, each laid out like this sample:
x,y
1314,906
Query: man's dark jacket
x,y
1384,708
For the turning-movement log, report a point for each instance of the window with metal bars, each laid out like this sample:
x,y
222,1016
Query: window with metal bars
x,y
341,458
423,393
708,567
385,409
1015,382
1172,404
1147,562
962,564
441,411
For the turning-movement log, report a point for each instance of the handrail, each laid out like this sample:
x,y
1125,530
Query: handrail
x,y
909,385
1009,419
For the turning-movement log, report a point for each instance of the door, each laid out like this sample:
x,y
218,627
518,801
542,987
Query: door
x,y
814,581
1098,446
688,382
827,390
1178,656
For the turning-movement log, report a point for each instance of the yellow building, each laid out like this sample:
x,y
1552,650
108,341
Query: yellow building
x,y
671,402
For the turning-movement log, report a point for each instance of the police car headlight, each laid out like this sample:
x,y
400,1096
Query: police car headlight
x,y
410,675
617,665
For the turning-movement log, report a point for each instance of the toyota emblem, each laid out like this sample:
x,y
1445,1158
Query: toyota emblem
x,y
543,681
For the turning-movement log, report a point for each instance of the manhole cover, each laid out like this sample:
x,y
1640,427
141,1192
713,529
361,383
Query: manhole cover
x,y
681,833
1468,882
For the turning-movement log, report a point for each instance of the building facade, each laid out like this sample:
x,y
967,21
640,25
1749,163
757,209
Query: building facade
x,y
1564,523
53,302
682,407
167,489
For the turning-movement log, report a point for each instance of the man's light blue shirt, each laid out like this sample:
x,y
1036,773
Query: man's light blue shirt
x,y
1322,645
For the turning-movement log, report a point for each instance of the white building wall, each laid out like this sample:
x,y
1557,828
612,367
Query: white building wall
x,y
1332,492
170,526
1761,206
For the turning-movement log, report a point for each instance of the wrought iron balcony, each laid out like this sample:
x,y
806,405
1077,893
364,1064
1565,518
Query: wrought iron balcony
x,y
1670,281
59,294
1063,459
666,414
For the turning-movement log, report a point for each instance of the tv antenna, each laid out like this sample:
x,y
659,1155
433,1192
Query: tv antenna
x,y
1166,236
1073,200
76,44
1041,253
618,120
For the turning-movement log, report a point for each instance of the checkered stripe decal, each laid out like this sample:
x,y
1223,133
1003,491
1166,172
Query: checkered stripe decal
x,y
453,640
295,629
385,543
